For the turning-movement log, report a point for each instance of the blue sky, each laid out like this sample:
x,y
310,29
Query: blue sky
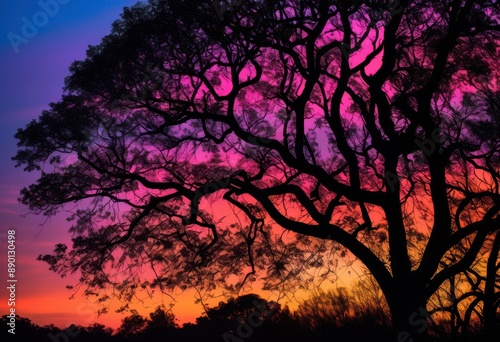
x,y
30,79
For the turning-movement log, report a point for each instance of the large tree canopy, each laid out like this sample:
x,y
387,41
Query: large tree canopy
x,y
329,128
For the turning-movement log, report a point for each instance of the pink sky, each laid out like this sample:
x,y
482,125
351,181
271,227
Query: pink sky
x,y
31,79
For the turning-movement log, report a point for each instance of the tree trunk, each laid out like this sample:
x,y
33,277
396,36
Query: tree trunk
x,y
489,311
409,315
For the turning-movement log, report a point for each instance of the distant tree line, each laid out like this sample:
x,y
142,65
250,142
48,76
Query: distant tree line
x,y
334,315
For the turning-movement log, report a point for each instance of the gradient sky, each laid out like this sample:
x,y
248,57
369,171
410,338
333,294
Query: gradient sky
x,y
29,80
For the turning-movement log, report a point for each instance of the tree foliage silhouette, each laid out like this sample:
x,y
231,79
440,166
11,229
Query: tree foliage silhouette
x,y
345,124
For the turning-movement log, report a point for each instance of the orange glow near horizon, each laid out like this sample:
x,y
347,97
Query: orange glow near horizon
x,y
51,304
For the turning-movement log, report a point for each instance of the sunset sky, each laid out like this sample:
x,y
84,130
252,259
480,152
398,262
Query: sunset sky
x,y
31,79
42,38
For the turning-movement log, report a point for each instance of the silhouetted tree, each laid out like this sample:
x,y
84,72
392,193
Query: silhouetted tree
x,y
160,325
132,326
239,308
341,122
23,329
227,316
246,318
96,333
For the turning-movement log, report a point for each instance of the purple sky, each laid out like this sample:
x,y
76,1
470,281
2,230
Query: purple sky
x,y
29,80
